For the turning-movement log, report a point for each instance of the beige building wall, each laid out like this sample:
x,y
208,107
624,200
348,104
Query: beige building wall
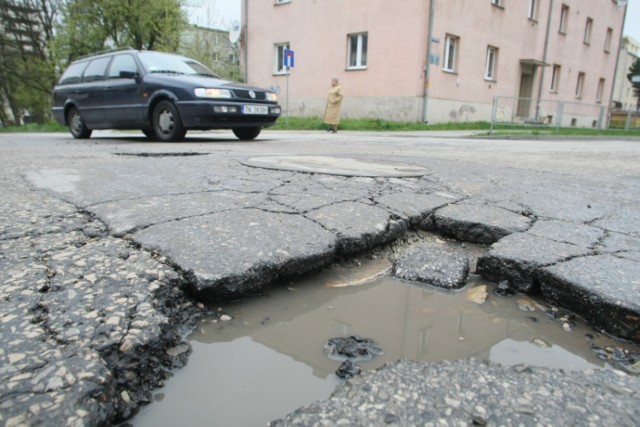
x,y
623,90
392,85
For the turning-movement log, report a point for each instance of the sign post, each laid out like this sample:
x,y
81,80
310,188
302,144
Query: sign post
x,y
288,60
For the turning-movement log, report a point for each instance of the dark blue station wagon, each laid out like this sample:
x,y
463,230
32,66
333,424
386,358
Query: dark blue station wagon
x,y
164,95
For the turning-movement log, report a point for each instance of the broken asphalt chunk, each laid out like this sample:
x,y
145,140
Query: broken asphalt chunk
x,y
518,257
603,289
479,223
434,265
232,254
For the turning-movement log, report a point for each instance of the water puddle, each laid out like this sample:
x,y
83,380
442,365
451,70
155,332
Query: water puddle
x,y
268,359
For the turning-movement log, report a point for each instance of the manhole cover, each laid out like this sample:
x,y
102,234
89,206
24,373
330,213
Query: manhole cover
x,y
336,166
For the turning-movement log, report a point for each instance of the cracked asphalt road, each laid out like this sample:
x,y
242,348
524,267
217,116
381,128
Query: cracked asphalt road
x,y
109,246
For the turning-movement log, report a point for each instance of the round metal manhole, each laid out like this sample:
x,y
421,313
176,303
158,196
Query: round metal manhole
x,y
336,166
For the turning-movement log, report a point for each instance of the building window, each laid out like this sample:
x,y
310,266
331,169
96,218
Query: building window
x,y
491,64
580,85
555,78
587,31
357,51
533,10
282,1
450,53
497,3
607,40
600,90
564,19
278,58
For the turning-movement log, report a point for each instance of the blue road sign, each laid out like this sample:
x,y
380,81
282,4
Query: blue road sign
x,y
289,58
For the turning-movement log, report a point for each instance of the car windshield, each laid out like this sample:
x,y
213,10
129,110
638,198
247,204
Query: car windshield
x,y
156,62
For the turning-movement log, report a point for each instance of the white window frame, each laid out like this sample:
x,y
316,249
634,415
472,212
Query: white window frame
x,y
451,44
532,13
491,64
580,85
357,60
497,3
600,90
278,58
555,78
282,1
588,28
564,19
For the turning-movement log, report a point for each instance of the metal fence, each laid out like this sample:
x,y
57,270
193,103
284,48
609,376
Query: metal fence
x,y
553,114
627,120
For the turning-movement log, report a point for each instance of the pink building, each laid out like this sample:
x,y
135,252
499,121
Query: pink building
x,y
540,50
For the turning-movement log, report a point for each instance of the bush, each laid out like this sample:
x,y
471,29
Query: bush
x,y
372,125
51,126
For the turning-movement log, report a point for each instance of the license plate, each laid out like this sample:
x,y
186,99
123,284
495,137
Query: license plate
x,y
255,109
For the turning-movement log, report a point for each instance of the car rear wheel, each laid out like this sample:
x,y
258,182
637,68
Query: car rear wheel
x,y
247,133
167,124
76,125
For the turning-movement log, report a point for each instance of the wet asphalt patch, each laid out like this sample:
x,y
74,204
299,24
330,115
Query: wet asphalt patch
x,y
161,154
337,166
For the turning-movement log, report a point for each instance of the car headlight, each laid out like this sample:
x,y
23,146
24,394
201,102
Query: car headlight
x,y
202,92
272,97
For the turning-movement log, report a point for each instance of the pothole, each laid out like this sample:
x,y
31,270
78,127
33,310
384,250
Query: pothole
x,y
277,340
337,166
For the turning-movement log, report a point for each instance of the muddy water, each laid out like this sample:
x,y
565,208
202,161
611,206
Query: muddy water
x,y
268,359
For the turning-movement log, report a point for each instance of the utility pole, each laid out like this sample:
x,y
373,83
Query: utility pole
x,y
245,41
544,60
427,68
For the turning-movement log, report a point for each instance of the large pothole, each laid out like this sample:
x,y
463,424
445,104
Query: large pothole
x,y
276,341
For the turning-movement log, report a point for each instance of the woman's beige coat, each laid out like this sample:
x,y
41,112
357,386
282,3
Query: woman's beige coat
x,y
334,102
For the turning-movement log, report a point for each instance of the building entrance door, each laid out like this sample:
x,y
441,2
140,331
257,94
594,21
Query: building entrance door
x,y
526,90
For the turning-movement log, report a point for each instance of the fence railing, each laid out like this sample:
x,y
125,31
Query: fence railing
x,y
556,114
627,120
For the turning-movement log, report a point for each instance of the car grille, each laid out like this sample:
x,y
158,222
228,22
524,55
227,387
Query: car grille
x,y
244,94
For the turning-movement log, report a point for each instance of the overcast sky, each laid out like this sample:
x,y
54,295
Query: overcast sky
x,y
632,23
214,13
221,13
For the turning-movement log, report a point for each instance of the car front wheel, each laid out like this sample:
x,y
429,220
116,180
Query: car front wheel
x,y
76,125
167,124
247,133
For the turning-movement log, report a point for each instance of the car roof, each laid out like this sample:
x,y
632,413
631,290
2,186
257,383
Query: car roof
x,y
105,53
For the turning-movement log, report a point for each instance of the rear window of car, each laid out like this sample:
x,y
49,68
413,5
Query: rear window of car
x,y
73,74
96,69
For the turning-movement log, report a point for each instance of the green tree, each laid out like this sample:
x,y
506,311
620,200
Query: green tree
x,y
27,65
89,26
212,48
634,70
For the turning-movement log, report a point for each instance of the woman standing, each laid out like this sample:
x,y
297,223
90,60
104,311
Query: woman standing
x,y
334,102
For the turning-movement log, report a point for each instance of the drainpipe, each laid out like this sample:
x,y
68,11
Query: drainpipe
x,y
615,73
544,59
246,41
427,68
